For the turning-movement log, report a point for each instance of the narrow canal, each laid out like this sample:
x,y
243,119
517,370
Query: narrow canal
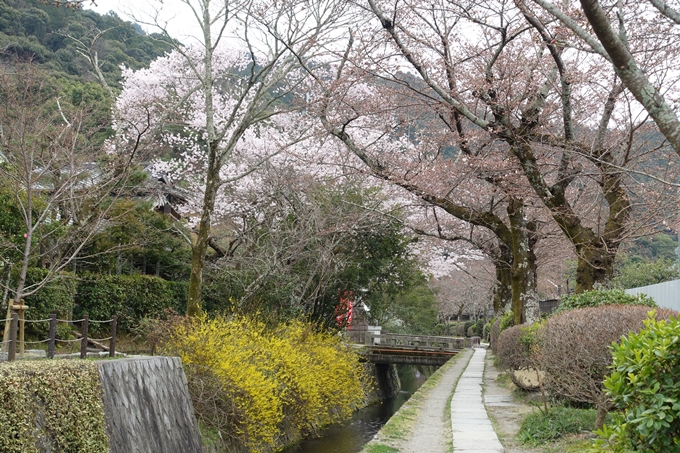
x,y
351,436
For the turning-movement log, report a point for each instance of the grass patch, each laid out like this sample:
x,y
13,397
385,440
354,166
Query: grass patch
x,y
503,378
539,428
380,448
569,444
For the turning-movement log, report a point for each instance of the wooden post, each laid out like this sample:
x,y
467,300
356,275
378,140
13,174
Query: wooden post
x,y
83,340
112,343
12,346
19,310
22,318
53,336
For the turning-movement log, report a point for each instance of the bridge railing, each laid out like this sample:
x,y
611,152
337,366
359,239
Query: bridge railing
x,y
391,340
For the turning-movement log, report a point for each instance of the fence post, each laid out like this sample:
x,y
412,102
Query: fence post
x,y
13,326
112,343
52,337
83,340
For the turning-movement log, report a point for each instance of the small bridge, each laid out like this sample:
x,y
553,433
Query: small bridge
x,y
389,348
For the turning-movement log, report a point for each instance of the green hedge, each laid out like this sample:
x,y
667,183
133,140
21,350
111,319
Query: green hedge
x,y
596,298
51,406
55,297
130,297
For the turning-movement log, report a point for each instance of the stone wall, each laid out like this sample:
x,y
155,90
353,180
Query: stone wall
x,y
148,407
386,379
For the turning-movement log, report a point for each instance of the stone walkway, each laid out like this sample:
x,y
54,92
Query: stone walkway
x,y
470,424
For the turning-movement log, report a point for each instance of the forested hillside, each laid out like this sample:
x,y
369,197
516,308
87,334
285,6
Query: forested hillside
x,y
32,31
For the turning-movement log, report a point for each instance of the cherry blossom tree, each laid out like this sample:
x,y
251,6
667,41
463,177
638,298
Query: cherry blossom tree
x,y
507,78
641,48
477,110
235,80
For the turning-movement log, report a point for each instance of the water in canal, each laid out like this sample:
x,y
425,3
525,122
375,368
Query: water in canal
x,y
351,436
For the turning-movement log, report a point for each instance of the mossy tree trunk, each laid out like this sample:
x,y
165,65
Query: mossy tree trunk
x,y
523,262
502,297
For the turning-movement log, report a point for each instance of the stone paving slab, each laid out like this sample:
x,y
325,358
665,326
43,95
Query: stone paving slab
x,y
470,424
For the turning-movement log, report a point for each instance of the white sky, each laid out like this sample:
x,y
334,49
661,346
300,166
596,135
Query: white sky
x,y
181,22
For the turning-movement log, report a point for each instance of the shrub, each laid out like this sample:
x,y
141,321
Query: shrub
x,y
512,352
479,328
51,406
55,297
540,427
596,298
644,386
460,329
507,320
131,297
259,386
575,350
468,325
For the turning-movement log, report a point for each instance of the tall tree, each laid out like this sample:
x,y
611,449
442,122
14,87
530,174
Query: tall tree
x,y
533,107
58,186
639,48
234,80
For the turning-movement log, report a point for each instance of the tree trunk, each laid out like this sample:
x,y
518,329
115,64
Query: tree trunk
x,y
200,247
599,420
502,297
595,265
523,263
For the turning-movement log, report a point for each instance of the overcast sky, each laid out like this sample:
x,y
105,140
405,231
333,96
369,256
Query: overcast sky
x,y
179,16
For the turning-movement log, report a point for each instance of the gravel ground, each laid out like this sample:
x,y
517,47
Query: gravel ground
x,y
505,412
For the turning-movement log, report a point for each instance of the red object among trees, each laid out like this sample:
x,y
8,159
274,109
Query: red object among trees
x,y
344,311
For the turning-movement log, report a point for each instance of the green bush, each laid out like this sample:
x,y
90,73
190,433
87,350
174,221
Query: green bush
x,y
55,297
130,297
507,320
51,406
468,325
644,386
479,328
596,298
539,428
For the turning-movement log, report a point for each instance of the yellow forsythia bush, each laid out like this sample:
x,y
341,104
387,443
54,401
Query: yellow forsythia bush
x,y
260,386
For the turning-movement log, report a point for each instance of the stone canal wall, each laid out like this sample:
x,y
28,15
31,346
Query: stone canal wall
x,y
148,407
386,380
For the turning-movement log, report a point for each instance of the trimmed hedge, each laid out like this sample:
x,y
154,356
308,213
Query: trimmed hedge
x,y
575,350
55,297
596,298
512,352
130,297
51,406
